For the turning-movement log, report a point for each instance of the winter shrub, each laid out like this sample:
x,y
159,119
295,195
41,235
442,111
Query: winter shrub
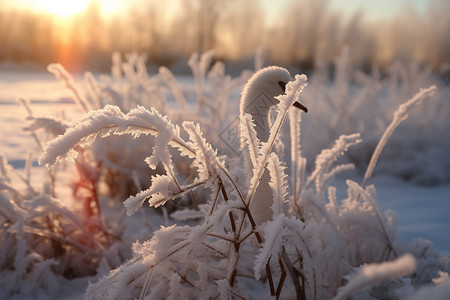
x,y
350,100
41,239
234,250
268,223
121,167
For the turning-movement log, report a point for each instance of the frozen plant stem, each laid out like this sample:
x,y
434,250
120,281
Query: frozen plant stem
x,y
276,87
292,273
400,115
64,76
272,83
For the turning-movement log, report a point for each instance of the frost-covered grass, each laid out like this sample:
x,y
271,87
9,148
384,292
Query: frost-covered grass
x,y
351,101
144,139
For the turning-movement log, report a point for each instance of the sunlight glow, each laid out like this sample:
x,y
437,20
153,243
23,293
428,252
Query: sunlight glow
x,y
60,8
67,8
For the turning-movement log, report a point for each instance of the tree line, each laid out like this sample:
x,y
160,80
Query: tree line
x,y
169,31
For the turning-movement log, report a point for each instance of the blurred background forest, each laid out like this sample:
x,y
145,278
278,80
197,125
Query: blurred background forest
x,y
294,34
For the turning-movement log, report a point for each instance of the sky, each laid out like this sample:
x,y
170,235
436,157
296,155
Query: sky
x,y
377,9
372,9
66,8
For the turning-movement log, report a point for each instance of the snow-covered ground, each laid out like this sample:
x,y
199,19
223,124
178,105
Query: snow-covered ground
x,y
422,212
48,97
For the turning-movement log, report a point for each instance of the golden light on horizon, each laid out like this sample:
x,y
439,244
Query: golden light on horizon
x,y
70,8
61,9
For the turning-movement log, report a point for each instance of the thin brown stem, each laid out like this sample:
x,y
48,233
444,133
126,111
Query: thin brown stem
x,y
269,277
214,249
214,203
282,278
222,237
292,273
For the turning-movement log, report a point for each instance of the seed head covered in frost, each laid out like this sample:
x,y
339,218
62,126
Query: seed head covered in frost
x,y
326,158
370,275
51,126
158,194
265,89
403,110
293,90
65,77
400,114
266,81
439,291
110,120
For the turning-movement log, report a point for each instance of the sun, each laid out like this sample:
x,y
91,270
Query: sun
x,y
60,8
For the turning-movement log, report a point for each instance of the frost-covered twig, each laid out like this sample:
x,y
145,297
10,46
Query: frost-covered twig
x,y
400,114
353,185
372,274
170,80
325,159
293,90
298,163
199,67
64,76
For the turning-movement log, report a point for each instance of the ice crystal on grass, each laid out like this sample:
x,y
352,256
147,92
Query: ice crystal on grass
x,y
107,121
